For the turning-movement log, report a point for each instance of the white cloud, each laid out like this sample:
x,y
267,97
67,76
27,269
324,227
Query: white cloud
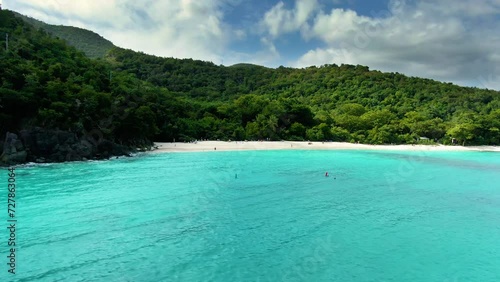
x,y
279,20
459,45
321,56
338,25
184,29
465,8
269,44
447,40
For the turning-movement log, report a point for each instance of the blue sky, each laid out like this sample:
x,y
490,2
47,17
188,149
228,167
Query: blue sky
x,y
447,40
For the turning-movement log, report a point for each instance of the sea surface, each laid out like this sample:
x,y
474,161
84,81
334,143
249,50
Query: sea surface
x,y
259,216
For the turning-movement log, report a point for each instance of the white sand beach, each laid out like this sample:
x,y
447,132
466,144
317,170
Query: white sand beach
x,y
202,146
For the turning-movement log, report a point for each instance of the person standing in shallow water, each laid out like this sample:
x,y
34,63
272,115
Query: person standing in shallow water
x,y
326,174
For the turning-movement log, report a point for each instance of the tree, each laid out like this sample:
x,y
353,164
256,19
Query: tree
x,y
297,131
339,134
462,132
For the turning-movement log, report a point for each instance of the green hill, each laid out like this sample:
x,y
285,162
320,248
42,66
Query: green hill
x,y
341,103
89,42
245,65
132,98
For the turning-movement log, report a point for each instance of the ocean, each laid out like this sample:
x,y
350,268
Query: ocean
x,y
259,216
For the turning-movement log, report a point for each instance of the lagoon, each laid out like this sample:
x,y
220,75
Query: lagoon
x,y
262,216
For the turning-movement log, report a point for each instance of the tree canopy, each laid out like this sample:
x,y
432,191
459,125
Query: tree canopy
x,y
129,96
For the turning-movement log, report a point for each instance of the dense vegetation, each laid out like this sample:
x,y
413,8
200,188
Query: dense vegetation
x,y
130,96
45,82
91,43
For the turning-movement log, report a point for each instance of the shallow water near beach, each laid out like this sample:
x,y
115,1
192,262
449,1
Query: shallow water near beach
x,y
261,216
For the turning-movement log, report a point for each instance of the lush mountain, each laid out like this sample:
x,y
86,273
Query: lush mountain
x,y
45,83
342,103
89,42
131,98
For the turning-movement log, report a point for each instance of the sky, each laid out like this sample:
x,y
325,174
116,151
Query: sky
x,y
448,40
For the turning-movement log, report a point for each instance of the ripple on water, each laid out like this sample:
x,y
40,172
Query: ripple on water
x,y
186,217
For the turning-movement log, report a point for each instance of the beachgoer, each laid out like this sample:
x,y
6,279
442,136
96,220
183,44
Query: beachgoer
x,y
326,174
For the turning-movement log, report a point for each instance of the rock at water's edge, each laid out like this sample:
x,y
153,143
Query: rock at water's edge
x,y
44,145
13,150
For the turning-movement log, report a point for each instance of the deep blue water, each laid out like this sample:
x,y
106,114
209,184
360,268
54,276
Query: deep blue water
x,y
260,216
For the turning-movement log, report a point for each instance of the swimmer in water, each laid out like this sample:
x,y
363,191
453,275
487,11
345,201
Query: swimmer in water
x,y
326,174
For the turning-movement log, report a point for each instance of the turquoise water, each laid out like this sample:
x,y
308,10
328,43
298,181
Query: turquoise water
x,y
261,216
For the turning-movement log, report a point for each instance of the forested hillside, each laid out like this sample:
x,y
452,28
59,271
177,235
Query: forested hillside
x,y
340,103
89,42
132,97
48,84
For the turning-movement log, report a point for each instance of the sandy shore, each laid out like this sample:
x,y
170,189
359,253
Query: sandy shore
x,y
292,145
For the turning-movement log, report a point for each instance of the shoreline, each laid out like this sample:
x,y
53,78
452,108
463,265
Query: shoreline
x,y
205,146
208,146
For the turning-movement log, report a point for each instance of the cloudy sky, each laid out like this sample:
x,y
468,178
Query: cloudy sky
x,y
449,40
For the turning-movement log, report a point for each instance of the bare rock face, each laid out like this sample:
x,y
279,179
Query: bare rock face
x,y
13,150
49,145
58,146
45,145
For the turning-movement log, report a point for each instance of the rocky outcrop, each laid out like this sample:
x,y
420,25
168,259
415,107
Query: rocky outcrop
x,y
42,145
13,150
